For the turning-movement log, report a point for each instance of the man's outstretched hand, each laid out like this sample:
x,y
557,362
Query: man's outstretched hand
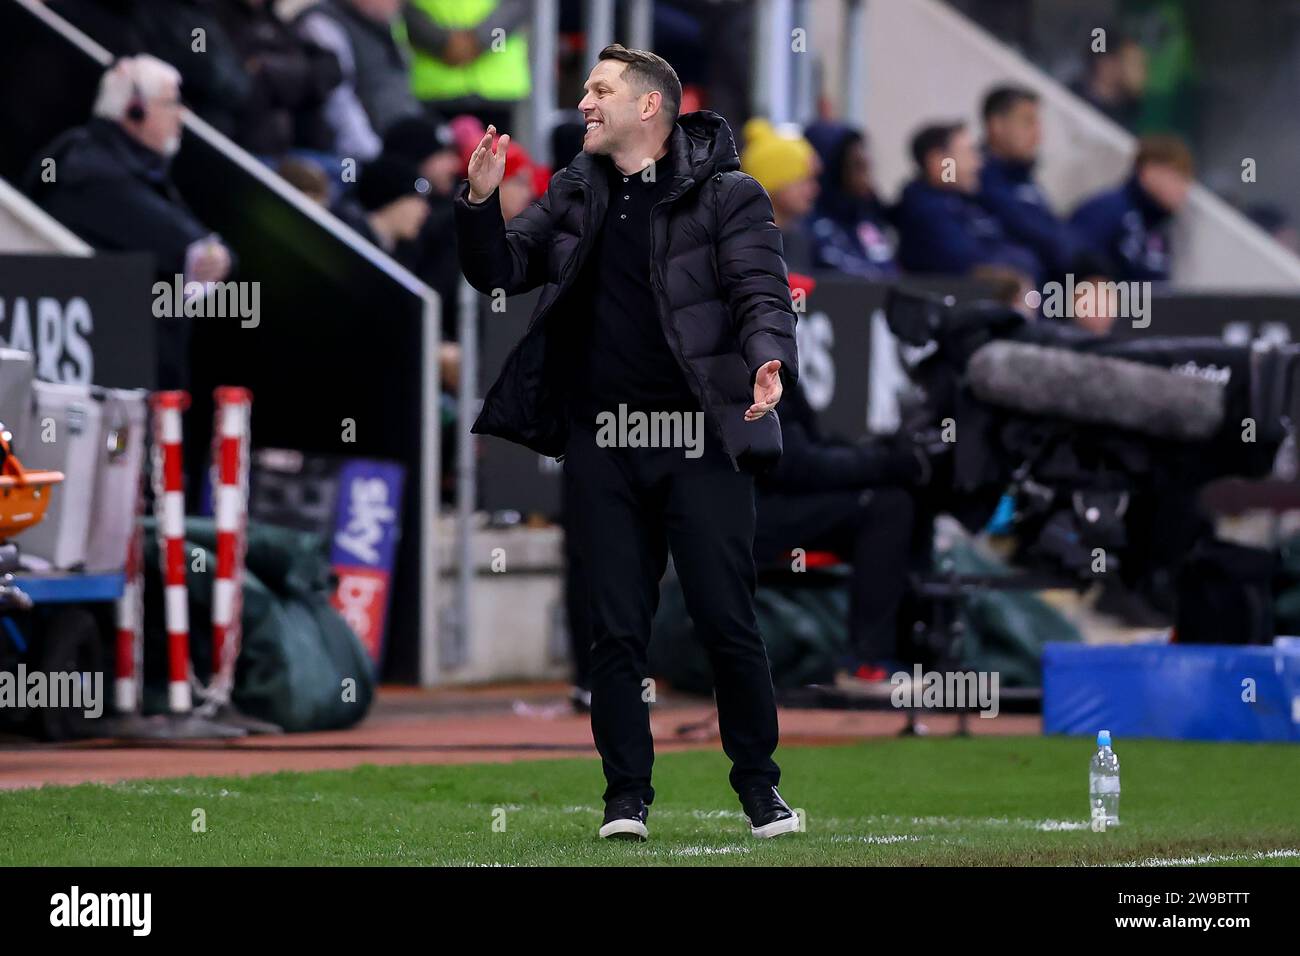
x,y
487,167
767,390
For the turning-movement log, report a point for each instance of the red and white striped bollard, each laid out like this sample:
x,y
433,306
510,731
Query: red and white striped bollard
x,y
230,505
169,509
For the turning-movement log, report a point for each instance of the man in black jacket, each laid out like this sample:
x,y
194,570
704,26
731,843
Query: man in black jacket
x,y
664,295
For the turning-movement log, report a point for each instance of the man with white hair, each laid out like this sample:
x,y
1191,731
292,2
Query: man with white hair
x,y
109,180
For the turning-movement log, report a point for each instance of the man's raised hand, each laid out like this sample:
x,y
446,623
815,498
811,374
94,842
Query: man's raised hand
x,y
487,167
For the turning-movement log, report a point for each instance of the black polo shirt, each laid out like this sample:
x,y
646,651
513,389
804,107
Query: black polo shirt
x,y
626,359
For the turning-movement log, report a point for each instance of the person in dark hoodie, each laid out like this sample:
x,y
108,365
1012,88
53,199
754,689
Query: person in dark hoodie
x,y
291,78
1128,227
1012,136
849,227
861,501
664,294
942,227
388,207
430,148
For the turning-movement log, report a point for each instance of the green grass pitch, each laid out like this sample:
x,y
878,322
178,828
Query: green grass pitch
x,y
982,801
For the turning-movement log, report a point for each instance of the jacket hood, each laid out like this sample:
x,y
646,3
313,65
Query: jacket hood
x,y
703,144
832,140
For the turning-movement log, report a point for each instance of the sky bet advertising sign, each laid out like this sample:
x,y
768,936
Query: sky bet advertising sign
x,y
355,505
363,549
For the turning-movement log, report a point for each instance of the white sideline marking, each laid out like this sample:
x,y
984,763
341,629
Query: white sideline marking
x,y
1050,826
1213,858
708,850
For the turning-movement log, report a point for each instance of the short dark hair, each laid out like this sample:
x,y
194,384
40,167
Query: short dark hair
x,y
1165,149
1001,100
930,138
649,71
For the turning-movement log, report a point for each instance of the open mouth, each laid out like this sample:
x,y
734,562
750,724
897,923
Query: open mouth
x,y
593,125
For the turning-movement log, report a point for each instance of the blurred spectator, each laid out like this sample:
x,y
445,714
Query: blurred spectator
x,y
785,164
185,33
1128,227
111,180
376,87
524,179
431,149
850,227
111,185
1092,311
1009,287
715,73
468,131
388,206
470,56
519,187
1115,79
1012,137
291,80
858,500
942,227
307,177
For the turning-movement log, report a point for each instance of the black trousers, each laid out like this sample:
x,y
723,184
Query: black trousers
x,y
626,509
883,532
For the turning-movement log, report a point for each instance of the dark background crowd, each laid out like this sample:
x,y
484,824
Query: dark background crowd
x,y
372,108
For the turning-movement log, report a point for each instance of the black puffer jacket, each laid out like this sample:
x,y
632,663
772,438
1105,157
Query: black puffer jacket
x,y
717,270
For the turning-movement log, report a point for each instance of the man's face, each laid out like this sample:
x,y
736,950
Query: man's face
x,y
441,169
1165,184
160,130
1133,68
611,109
408,215
957,167
1016,134
796,200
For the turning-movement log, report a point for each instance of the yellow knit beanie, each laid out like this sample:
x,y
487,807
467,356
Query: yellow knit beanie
x,y
775,158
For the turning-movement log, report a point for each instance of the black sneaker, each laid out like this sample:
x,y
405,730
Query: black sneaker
x,y
625,819
767,813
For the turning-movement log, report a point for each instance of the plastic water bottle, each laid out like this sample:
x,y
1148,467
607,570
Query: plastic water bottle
x,y
1103,782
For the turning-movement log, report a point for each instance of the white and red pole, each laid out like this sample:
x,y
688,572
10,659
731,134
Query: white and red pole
x,y
230,505
128,672
169,509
